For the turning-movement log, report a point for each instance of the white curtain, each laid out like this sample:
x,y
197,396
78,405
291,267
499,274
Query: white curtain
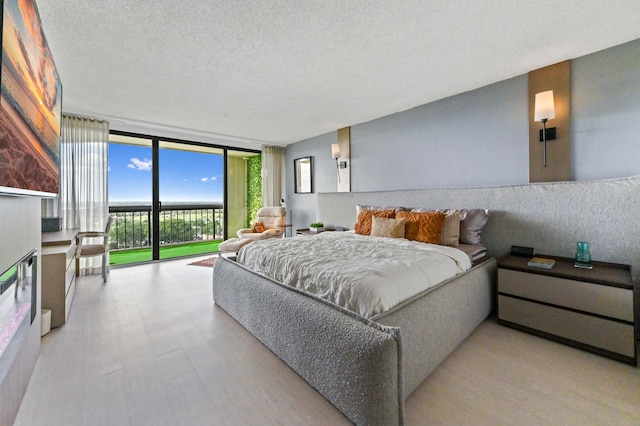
x,y
272,175
83,201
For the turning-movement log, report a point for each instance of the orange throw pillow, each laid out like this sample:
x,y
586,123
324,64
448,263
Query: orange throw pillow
x,y
424,227
363,226
258,227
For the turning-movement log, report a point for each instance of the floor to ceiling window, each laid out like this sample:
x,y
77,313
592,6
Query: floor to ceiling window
x,y
173,198
130,196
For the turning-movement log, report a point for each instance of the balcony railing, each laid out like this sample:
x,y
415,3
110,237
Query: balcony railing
x,y
179,224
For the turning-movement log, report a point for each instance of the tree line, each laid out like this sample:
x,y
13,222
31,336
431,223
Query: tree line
x,y
132,229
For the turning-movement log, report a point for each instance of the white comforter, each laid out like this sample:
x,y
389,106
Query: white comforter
x,y
364,274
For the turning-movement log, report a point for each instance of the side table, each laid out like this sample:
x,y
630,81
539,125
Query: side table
x,y
591,309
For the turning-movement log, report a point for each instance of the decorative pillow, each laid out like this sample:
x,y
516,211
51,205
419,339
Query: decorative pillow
x,y
258,227
361,207
425,227
450,235
471,223
384,227
363,226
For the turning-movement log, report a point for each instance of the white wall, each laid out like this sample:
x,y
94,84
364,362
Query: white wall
x,y
480,138
20,232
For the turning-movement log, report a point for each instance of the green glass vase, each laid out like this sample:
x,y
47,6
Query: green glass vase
x,y
583,256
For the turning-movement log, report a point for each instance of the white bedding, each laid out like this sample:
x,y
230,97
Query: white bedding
x,y
364,274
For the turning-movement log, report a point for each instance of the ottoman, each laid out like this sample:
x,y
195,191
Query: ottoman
x,y
233,244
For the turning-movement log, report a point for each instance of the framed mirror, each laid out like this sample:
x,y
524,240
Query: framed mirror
x,y
302,172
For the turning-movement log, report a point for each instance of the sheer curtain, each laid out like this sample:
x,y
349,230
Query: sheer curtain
x,y
272,175
83,201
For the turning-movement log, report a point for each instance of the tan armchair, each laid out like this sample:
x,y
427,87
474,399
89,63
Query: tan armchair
x,y
90,250
273,218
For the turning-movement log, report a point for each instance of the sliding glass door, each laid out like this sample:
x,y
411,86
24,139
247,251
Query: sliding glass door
x,y
173,198
130,198
190,209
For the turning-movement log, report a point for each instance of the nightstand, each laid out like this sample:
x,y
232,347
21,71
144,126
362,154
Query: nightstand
x,y
591,309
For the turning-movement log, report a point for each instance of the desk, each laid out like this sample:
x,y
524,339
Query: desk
x,y
58,273
59,238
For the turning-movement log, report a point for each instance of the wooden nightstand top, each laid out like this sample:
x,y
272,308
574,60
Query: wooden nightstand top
x,y
612,274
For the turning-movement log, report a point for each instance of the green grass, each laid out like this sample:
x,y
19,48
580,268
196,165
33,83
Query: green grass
x,y
8,274
122,257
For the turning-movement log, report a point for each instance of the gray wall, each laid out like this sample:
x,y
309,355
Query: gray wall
x,y
605,108
477,138
302,207
480,138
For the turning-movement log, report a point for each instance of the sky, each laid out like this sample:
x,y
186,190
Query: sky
x,y
184,176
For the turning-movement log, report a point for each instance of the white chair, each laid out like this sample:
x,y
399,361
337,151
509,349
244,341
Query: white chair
x,y
273,219
90,250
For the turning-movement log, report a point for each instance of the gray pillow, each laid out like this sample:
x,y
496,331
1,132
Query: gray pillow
x,y
471,223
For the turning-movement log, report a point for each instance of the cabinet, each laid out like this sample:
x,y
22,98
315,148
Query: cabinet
x,y
58,274
592,309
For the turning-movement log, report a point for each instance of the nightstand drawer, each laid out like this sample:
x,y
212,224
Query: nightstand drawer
x,y
598,332
599,299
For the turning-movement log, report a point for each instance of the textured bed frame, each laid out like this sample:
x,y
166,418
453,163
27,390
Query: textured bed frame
x,y
366,368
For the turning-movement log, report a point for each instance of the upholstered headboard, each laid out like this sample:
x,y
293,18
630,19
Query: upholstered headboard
x,y
551,217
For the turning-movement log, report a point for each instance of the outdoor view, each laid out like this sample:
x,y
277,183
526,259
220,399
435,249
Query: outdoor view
x,y
191,188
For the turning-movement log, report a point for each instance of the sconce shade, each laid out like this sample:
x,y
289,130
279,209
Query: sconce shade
x,y
335,150
544,106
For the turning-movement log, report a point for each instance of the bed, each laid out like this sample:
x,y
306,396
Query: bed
x,y
366,367
365,274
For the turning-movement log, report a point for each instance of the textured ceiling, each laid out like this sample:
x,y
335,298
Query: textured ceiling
x,y
281,71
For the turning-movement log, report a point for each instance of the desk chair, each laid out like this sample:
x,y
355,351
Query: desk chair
x,y
90,250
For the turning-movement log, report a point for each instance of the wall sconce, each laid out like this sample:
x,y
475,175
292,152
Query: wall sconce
x,y
335,153
545,110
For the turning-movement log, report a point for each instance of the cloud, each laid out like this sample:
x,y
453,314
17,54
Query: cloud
x,y
204,179
137,164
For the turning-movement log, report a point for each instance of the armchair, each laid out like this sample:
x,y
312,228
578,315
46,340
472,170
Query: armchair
x,y
273,219
90,250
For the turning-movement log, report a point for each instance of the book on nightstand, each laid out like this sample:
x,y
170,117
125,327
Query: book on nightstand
x,y
541,262
583,265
